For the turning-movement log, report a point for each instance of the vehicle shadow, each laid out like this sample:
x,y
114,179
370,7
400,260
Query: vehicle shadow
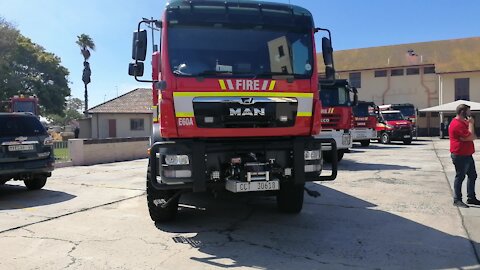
x,y
334,231
19,197
352,165
380,146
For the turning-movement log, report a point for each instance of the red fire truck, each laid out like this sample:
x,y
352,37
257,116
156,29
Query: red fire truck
x,y
393,126
337,115
235,102
21,103
407,109
365,121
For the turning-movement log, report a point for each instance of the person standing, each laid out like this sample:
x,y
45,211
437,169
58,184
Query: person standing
x,y
462,134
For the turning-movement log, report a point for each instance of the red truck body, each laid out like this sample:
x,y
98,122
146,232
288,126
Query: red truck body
x,y
393,126
337,114
365,122
22,103
235,102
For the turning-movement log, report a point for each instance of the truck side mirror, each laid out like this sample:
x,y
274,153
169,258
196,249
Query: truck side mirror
x,y
327,51
136,69
139,45
355,96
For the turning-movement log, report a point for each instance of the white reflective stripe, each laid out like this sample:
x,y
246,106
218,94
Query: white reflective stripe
x,y
265,84
230,84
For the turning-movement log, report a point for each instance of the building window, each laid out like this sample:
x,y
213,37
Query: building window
x,y
380,73
413,71
429,70
396,72
136,124
355,79
462,89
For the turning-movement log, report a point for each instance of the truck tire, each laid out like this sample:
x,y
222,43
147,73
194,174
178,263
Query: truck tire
x,y
290,198
365,143
157,213
407,141
37,182
385,138
340,154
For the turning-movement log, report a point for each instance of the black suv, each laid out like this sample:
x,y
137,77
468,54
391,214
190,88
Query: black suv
x,y
26,150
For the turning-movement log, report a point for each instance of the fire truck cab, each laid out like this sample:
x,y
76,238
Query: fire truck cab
x,y
365,121
22,103
235,102
393,126
338,99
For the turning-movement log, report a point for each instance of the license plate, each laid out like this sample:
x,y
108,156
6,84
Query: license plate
x,y
21,147
406,136
237,186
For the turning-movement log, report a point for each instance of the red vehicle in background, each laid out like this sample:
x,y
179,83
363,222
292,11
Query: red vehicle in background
x,y
393,126
407,109
21,103
338,99
365,122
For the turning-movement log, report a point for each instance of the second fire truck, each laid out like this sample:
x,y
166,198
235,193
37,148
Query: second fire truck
x,y
337,115
365,121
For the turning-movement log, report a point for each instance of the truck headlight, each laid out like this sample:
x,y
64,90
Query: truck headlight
x,y
312,155
177,160
346,139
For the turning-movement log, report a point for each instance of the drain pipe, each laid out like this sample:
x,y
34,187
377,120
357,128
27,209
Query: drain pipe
x,y
429,97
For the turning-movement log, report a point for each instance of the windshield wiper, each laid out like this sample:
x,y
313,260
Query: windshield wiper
x,y
213,72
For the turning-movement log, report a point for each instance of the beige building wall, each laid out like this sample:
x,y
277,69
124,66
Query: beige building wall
x,y
420,91
447,86
100,125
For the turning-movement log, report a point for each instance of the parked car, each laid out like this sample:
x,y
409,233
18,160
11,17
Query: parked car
x,y
26,150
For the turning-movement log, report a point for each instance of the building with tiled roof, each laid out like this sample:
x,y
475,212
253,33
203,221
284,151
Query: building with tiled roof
x,y
128,115
425,74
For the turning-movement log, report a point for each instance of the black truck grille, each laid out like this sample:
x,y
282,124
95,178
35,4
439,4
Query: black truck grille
x,y
238,112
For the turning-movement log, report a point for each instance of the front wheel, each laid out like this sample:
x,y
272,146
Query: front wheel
x,y
340,154
156,197
290,197
385,139
37,182
407,141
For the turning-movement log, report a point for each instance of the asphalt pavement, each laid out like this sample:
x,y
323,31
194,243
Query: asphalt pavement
x,y
390,208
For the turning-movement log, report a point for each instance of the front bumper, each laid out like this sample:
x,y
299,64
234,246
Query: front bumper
x,y
203,154
363,134
343,139
27,168
400,135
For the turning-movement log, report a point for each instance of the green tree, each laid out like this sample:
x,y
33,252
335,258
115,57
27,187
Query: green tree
x,y
26,68
71,113
85,42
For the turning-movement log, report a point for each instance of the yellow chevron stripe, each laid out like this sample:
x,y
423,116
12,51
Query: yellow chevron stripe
x,y
304,114
236,94
222,84
184,114
272,85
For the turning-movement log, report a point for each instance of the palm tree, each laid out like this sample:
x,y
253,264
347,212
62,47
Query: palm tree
x,y
85,42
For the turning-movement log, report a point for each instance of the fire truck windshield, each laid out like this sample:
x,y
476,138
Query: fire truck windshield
x,y
335,97
363,110
24,106
392,116
405,110
239,52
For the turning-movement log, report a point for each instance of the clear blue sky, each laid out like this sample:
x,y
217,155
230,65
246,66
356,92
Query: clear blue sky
x,y
55,24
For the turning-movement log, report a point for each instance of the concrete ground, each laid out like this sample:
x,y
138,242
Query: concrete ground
x,y
390,208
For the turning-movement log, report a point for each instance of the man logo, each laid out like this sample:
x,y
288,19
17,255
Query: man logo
x,y
247,112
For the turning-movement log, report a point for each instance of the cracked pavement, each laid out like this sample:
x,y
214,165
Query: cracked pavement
x,y
390,208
